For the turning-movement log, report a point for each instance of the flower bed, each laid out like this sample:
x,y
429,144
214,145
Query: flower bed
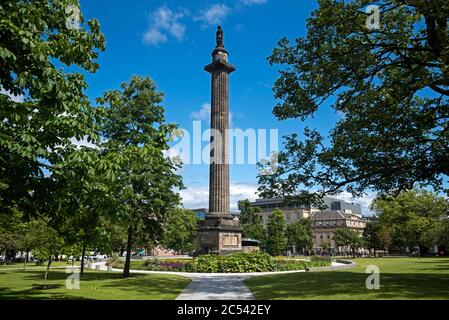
x,y
231,263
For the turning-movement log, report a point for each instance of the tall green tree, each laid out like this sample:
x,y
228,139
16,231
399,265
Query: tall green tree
x,y
371,235
43,107
390,87
411,217
345,237
299,234
276,233
251,222
180,230
136,135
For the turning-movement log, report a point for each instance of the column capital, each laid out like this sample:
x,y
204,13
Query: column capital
x,y
219,64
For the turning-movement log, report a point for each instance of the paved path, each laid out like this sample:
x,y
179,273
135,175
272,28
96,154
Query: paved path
x,y
216,288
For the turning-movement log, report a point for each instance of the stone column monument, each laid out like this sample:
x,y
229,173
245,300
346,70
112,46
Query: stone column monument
x,y
219,232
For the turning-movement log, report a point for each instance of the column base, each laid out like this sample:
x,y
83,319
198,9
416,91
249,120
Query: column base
x,y
219,233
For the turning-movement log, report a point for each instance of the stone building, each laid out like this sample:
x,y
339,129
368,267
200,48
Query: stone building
x,y
324,224
296,212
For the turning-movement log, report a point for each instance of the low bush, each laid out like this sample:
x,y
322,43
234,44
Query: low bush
x,y
301,265
247,262
116,262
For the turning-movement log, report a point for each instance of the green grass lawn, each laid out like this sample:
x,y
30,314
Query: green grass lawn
x,y
400,278
93,285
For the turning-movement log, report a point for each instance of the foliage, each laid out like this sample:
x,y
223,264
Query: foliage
x,y
136,136
206,263
251,222
299,233
345,237
247,262
390,87
180,230
412,217
43,107
286,265
276,238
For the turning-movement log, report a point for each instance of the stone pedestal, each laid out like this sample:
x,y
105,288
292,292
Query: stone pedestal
x,y
219,234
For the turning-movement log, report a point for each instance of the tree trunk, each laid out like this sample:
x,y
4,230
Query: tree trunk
x,y
128,253
47,270
83,253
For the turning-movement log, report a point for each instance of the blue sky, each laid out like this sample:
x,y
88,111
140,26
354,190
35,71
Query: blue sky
x,y
171,41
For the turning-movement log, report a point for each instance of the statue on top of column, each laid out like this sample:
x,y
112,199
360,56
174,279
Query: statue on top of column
x,y
219,37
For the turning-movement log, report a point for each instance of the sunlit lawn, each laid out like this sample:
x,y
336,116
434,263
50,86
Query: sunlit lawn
x,y
93,285
400,278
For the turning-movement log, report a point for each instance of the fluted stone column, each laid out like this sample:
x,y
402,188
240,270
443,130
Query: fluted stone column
x,y
219,194
219,232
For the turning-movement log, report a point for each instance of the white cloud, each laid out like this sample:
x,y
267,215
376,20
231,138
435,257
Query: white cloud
x,y
203,113
14,98
214,15
165,23
198,197
154,37
251,2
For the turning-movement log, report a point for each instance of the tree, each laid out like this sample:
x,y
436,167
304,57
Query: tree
x,y
371,235
276,236
135,137
345,237
390,86
251,222
46,244
384,238
180,230
299,234
43,107
11,234
410,217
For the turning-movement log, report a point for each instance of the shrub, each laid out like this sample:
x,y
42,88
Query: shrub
x,y
205,263
285,265
116,262
247,262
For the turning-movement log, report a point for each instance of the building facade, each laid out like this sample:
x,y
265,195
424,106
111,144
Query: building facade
x,y
293,213
324,224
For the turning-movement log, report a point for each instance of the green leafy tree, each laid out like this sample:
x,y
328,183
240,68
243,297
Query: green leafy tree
x,y
11,234
276,235
299,234
390,87
136,136
411,216
42,102
180,230
345,237
251,222
384,237
46,244
371,235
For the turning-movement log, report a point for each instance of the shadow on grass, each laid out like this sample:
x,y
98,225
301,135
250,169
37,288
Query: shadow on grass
x,y
350,285
94,285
